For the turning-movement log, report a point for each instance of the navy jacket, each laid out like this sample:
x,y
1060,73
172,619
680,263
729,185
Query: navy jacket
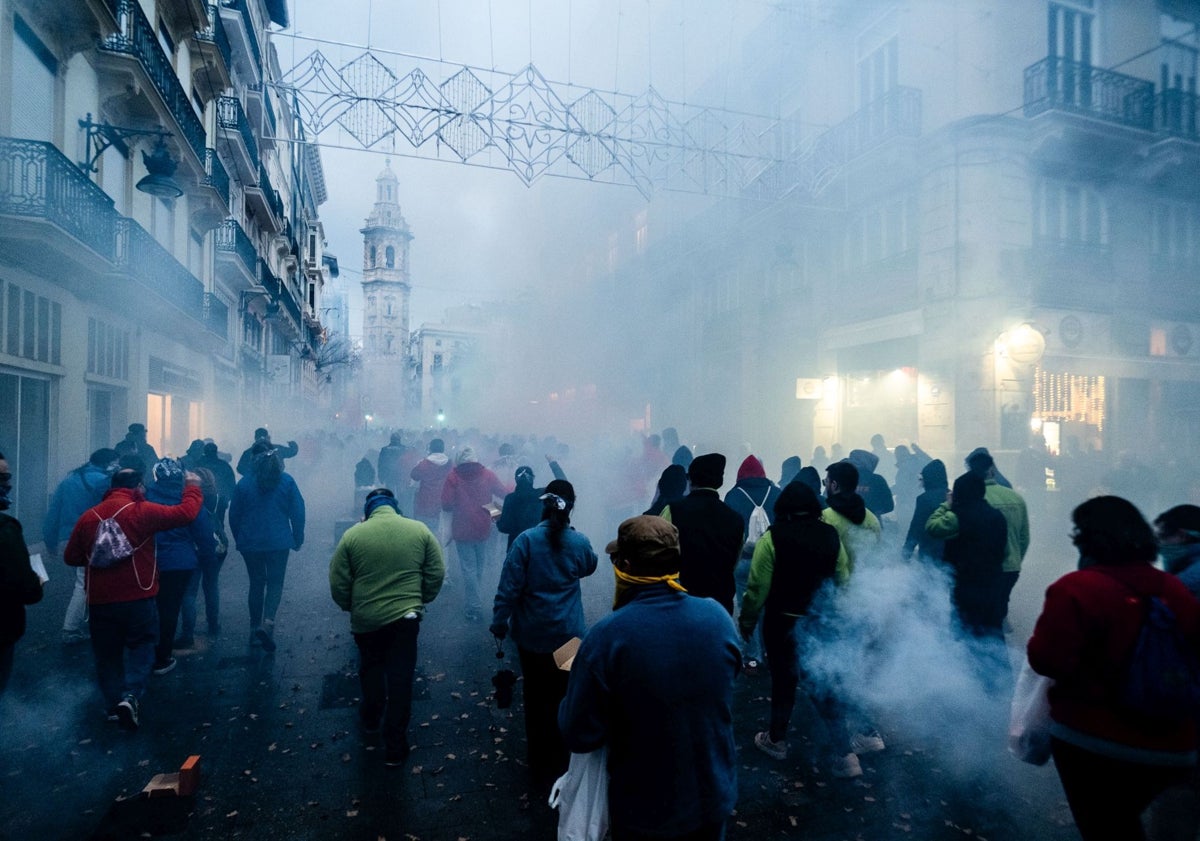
x,y
268,521
187,546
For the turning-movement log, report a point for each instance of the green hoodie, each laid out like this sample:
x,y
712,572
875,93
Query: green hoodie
x,y
384,568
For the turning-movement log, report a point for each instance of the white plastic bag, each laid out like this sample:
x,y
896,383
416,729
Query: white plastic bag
x,y
581,797
1029,723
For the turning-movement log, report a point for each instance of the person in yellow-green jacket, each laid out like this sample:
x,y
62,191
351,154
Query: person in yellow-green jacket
x,y
857,527
384,571
798,554
1008,502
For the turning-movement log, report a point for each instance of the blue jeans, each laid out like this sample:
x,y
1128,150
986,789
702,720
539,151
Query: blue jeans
x,y
266,571
124,635
387,662
471,554
752,649
207,576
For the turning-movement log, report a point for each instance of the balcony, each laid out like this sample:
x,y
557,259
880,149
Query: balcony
x,y
142,259
213,75
135,39
55,217
234,127
1175,114
215,177
216,316
234,248
265,203
895,114
1056,84
243,37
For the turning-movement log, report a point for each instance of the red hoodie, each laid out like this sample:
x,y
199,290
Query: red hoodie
x,y
141,520
751,469
468,488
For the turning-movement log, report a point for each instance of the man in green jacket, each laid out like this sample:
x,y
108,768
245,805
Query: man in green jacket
x,y
384,571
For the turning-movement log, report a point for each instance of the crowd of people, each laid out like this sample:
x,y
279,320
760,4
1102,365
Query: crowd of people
x,y
706,586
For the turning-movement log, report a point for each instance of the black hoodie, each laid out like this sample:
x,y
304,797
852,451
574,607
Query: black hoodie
x,y
850,505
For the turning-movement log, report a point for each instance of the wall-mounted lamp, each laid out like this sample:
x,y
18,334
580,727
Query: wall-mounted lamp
x,y
160,166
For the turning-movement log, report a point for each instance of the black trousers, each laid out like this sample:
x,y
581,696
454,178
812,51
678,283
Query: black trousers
x,y
544,686
387,664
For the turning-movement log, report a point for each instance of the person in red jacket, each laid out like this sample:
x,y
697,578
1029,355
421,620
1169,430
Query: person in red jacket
x,y
1112,760
469,487
121,598
430,475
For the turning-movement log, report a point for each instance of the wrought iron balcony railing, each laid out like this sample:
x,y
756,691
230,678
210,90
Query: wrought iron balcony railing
x,y
216,316
1175,114
1057,84
38,181
241,7
231,116
895,114
231,239
273,199
215,34
154,267
135,37
215,175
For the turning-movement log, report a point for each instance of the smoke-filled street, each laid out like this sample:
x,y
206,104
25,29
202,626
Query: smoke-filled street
x,y
282,755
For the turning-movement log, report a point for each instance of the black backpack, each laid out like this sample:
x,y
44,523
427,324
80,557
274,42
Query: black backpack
x,y
1162,677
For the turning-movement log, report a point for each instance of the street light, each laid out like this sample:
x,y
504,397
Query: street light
x,y
160,166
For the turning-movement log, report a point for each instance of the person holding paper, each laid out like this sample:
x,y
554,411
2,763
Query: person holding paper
x,y
19,584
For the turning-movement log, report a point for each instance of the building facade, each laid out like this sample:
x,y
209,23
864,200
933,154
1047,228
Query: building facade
x,y
160,246
990,236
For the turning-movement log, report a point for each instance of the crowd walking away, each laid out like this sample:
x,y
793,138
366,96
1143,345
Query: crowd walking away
x,y
822,617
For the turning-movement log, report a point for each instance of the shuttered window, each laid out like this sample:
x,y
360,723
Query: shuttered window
x,y
34,68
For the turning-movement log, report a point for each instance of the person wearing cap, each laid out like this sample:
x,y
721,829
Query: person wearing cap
x,y
384,572
1000,495
711,534
245,465
180,553
79,490
539,600
522,507
469,488
136,443
123,615
653,683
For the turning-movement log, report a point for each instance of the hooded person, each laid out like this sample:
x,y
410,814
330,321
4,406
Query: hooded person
x,y
936,486
245,465
659,716
522,507
872,487
468,490
135,438
430,475
1016,515
1178,533
789,470
388,465
974,455
809,476
672,486
711,534
682,456
857,526
797,556
752,490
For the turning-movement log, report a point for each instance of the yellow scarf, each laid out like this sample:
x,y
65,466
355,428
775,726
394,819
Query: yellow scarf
x,y
625,581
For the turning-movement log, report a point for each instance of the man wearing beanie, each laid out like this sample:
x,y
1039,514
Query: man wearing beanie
x,y
752,489
653,683
710,533
384,571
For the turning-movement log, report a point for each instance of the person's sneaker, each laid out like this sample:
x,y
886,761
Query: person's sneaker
x,y
75,637
165,666
775,750
846,767
866,742
127,713
261,637
111,714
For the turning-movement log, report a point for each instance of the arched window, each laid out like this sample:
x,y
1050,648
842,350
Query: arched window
x,y
371,261
390,257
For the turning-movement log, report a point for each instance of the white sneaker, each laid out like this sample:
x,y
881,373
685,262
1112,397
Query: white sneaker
x,y
775,750
846,767
866,742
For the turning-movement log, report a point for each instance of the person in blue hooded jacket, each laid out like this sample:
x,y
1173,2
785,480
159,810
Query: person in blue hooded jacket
x,y
179,553
266,519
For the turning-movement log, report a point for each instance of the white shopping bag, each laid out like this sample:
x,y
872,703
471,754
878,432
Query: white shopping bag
x,y
581,797
1029,723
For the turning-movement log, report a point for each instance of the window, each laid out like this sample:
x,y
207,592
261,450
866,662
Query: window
x,y
165,40
1175,232
32,326
1179,50
389,257
34,68
1069,213
1069,30
877,72
371,258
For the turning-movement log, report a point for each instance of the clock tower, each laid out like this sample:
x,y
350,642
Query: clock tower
x,y
386,288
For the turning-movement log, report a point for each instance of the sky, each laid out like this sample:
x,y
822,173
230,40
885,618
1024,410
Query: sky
x,y
480,234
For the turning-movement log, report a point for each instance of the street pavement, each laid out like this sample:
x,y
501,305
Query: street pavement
x,y
282,756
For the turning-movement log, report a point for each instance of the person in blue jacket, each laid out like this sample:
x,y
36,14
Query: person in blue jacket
x,y
266,519
179,553
539,600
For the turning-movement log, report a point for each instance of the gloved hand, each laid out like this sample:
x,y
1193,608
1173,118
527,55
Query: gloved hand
x,y
499,630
